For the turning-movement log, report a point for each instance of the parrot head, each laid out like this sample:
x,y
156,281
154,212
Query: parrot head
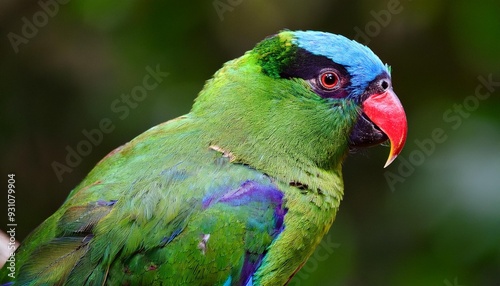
x,y
327,80
338,68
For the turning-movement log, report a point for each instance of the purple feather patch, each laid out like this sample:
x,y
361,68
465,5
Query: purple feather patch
x,y
261,199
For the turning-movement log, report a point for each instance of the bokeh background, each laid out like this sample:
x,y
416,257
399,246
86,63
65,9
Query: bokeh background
x,y
431,218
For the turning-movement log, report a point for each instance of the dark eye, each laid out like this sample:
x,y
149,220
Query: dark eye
x,y
329,80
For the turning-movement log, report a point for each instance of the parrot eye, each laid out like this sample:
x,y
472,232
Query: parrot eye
x,y
329,80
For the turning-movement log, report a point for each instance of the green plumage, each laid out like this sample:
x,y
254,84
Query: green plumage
x,y
175,205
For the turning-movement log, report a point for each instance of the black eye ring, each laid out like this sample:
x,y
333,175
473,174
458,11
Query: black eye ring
x,y
329,80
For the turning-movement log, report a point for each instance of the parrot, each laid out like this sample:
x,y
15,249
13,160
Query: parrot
x,y
240,190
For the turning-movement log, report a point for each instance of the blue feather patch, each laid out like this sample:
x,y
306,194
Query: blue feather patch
x,y
228,281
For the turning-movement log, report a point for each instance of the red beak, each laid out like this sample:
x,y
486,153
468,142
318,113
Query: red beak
x,y
385,111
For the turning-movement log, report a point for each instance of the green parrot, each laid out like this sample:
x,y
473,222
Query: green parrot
x,y
240,190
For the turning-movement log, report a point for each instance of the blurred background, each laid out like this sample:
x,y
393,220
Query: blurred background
x,y
431,218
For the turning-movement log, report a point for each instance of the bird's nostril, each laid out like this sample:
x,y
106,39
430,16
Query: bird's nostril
x,y
384,84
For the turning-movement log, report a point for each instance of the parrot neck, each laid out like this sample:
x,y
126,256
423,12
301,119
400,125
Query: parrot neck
x,y
275,125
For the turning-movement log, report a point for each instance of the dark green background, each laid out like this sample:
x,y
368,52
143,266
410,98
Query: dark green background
x,y
438,225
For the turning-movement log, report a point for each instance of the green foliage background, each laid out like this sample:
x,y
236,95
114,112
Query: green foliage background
x,y
438,224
